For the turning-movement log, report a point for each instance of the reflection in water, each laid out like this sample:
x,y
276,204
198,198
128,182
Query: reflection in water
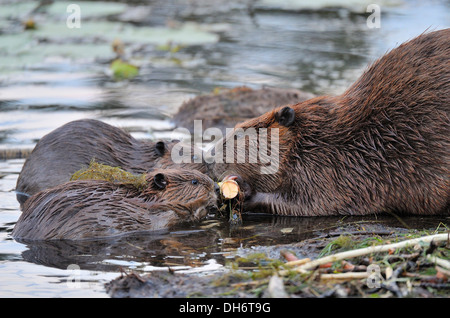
x,y
212,239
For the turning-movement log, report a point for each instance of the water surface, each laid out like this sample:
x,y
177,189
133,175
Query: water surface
x,y
53,75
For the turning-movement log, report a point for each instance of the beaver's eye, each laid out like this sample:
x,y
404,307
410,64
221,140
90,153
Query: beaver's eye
x,y
195,182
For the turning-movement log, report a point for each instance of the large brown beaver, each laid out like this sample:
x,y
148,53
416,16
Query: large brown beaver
x,y
381,146
95,208
228,107
72,146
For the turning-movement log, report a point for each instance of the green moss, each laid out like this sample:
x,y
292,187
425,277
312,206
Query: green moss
x,y
349,242
98,171
260,265
340,243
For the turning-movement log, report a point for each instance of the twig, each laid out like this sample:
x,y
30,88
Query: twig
x,y
250,283
356,232
443,271
288,256
391,283
345,276
439,261
369,250
298,262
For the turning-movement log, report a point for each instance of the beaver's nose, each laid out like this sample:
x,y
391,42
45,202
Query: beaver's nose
x,y
217,188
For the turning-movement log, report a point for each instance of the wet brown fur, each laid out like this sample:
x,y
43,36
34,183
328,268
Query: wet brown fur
x,y
92,208
232,106
72,146
381,146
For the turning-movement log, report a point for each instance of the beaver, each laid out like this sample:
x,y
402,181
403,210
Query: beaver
x,y
381,146
228,107
85,209
72,146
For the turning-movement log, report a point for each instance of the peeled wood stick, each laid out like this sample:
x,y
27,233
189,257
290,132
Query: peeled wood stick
x,y
298,262
368,250
439,261
229,188
345,276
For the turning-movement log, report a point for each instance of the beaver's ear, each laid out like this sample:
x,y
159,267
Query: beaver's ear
x,y
160,148
285,116
160,181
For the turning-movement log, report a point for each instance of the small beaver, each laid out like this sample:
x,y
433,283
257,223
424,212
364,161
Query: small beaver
x,y
86,209
72,146
381,146
227,108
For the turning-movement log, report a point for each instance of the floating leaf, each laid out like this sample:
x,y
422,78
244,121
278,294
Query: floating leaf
x,y
108,31
122,70
16,10
88,9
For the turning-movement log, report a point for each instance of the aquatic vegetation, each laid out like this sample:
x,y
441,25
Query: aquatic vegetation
x,y
123,70
98,171
31,32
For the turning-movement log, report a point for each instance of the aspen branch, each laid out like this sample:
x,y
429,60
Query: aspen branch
x,y
439,261
369,250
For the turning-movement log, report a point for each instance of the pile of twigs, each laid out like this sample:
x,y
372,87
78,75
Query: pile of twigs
x,y
418,267
397,267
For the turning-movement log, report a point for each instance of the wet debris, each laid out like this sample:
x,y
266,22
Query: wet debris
x,y
392,267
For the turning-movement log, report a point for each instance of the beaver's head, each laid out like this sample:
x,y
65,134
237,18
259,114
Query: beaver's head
x,y
266,150
256,149
190,193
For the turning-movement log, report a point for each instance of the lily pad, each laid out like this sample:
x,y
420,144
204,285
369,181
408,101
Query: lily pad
x,y
54,38
108,31
356,6
122,70
185,35
75,51
17,10
22,52
58,30
88,9
15,43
